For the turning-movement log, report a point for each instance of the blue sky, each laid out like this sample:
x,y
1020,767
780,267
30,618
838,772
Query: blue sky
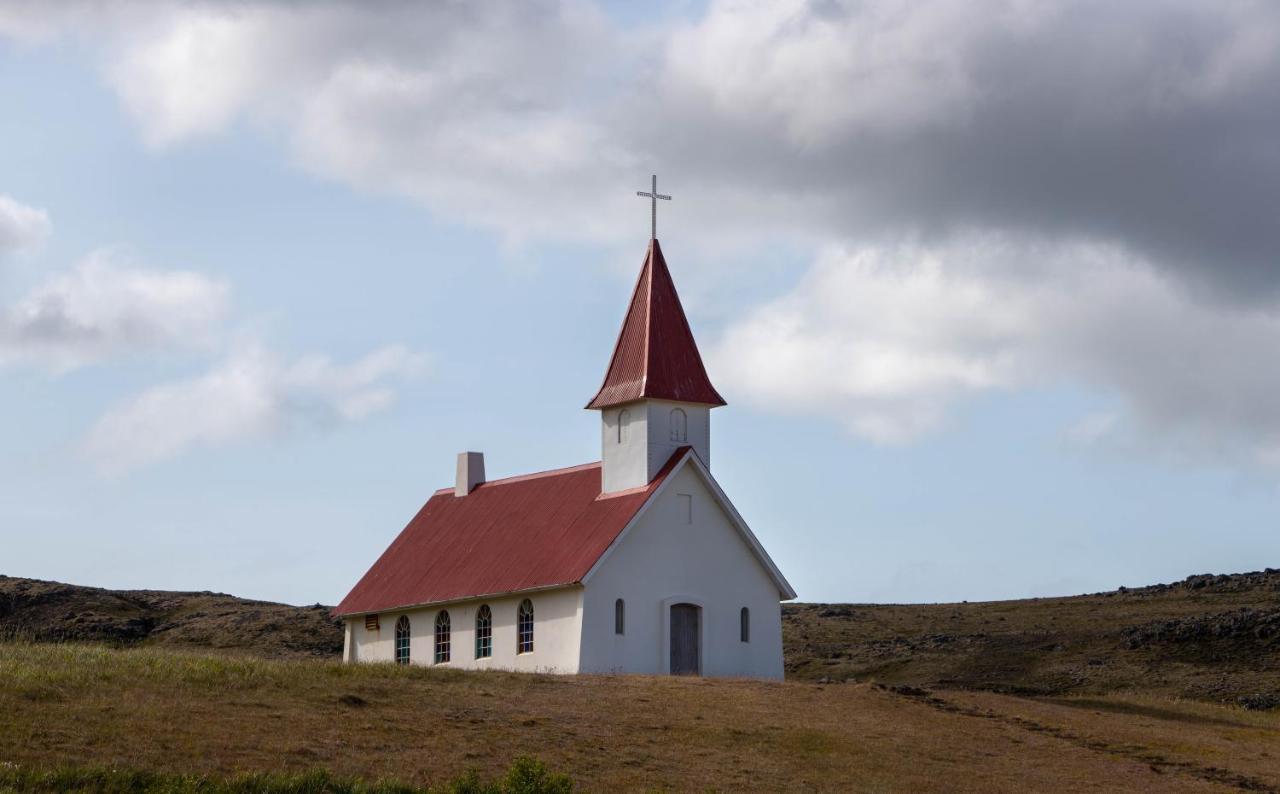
x,y
247,322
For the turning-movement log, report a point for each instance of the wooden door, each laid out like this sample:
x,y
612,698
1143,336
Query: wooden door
x,y
686,656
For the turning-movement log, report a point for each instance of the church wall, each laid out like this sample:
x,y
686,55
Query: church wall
x,y
557,616
663,560
662,445
647,443
625,461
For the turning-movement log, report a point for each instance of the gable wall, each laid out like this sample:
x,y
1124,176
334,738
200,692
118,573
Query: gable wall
x,y
663,559
557,617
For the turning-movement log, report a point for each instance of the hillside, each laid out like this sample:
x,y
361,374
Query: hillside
x,y
174,712
56,612
1207,637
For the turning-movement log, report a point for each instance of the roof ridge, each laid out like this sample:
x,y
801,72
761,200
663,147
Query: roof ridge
x,y
649,266
532,475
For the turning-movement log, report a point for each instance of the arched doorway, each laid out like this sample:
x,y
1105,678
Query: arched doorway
x,y
686,651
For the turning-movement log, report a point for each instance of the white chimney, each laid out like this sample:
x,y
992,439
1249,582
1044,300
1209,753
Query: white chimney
x,y
470,472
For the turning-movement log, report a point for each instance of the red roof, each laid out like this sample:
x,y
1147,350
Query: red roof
x,y
521,533
656,356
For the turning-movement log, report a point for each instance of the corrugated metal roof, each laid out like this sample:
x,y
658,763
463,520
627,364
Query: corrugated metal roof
x,y
656,356
521,533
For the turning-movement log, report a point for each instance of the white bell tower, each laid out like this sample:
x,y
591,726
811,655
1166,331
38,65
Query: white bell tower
x,y
656,397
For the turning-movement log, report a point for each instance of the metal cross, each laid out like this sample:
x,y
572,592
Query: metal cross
x,y
653,196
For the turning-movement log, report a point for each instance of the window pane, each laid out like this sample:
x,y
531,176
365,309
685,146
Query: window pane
x,y
402,640
619,617
484,632
524,627
442,637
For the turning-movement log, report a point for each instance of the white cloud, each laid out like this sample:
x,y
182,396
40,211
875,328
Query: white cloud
x,y
194,71
495,116
102,308
802,119
1146,129
253,394
886,340
782,63
21,227
883,339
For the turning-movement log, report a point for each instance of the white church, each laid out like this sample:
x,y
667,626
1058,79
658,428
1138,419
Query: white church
x,y
638,563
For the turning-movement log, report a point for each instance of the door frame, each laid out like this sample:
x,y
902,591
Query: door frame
x,y
665,662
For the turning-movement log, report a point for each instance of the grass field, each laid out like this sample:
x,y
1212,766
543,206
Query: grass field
x,y
177,713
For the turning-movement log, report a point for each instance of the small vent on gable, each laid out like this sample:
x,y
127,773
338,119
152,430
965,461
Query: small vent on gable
x,y
684,502
371,622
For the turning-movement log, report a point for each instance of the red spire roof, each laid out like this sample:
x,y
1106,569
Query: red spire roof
x,y
656,356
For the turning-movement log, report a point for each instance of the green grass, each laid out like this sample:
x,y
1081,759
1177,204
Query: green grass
x,y
525,776
36,669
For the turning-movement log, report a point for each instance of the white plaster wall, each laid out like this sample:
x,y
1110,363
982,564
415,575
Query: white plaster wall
x,y
635,461
663,560
557,621
658,427
626,464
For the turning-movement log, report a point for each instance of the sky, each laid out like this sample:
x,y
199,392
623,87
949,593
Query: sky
x,y
992,291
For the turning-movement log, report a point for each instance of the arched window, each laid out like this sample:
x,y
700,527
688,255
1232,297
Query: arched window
x,y
619,617
744,625
442,637
484,632
402,640
524,627
679,425
624,425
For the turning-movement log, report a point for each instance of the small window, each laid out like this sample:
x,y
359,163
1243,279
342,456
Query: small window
x,y
484,632
624,425
402,640
442,637
684,506
744,627
679,425
524,627
371,623
619,617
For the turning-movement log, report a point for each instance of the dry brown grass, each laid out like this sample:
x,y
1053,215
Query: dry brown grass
x,y
192,713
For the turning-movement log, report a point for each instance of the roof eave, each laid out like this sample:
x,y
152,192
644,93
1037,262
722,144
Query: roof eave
x,y
450,601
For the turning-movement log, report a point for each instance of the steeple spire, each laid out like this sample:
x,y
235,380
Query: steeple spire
x,y
656,356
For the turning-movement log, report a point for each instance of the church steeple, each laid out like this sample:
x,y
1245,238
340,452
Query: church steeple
x,y
656,396
655,356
